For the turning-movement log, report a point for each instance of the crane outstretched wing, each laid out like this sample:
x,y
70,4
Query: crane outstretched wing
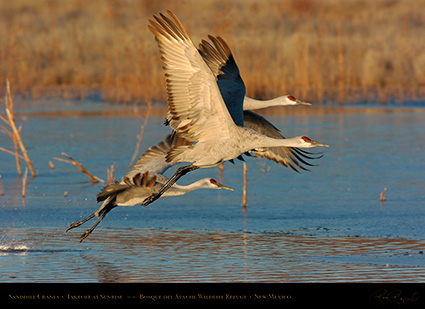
x,y
196,107
219,58
153,160
222,63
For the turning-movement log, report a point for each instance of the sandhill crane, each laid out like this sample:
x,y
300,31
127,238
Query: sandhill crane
x,y
253,104
143,180
198,112
286,100
220,60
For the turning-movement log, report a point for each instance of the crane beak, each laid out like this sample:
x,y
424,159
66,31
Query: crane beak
x,y
221,186
318,144
299,102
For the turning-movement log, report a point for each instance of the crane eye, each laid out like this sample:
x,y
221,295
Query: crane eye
x,y
291,98
213,181
306,139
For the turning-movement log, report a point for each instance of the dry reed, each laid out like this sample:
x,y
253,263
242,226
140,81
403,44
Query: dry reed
x,y
11,152
14,133
382,195
141,134
245,169
24,183
70,160
318,50
110,174
147,93
220,173
1,187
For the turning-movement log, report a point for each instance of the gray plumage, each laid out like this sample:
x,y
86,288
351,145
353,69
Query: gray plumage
x,y
144,180
220,60
197,110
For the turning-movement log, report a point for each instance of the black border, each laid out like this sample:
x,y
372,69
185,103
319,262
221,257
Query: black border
x,y
342,294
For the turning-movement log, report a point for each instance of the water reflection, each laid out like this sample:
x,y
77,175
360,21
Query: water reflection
x,y
142,255
325,226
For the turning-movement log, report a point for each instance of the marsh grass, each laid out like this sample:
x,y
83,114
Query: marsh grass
x,y
70,160
10,128
344,51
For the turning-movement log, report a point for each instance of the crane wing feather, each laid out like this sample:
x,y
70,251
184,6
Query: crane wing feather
x,y
153,159
196,107
219,58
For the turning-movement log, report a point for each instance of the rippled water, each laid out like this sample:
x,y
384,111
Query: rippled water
x,y
134,255
326,225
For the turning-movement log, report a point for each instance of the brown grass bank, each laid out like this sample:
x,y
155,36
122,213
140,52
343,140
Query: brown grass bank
x,y
349,50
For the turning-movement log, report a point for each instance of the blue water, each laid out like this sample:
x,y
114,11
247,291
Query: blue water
x,y
326,225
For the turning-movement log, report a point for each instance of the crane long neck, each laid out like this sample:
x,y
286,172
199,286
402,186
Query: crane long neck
x,y
258,140
278,142
176,189
252,104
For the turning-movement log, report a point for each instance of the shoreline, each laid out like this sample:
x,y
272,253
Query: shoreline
x,y
296,110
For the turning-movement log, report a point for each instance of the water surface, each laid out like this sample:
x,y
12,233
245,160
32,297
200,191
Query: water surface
x,y
326,225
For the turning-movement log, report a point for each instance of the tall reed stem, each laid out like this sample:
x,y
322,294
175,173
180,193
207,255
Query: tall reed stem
x,y
16,136
244,185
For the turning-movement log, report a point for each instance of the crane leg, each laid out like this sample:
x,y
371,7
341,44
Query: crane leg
x,y
89,231
177,175
78,223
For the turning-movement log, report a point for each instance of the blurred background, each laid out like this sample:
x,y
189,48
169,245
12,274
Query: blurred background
x,y
325,51
87,73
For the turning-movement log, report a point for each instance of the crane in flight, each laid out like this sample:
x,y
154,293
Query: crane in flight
x,y
220,60
198,112
144,179
285,100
